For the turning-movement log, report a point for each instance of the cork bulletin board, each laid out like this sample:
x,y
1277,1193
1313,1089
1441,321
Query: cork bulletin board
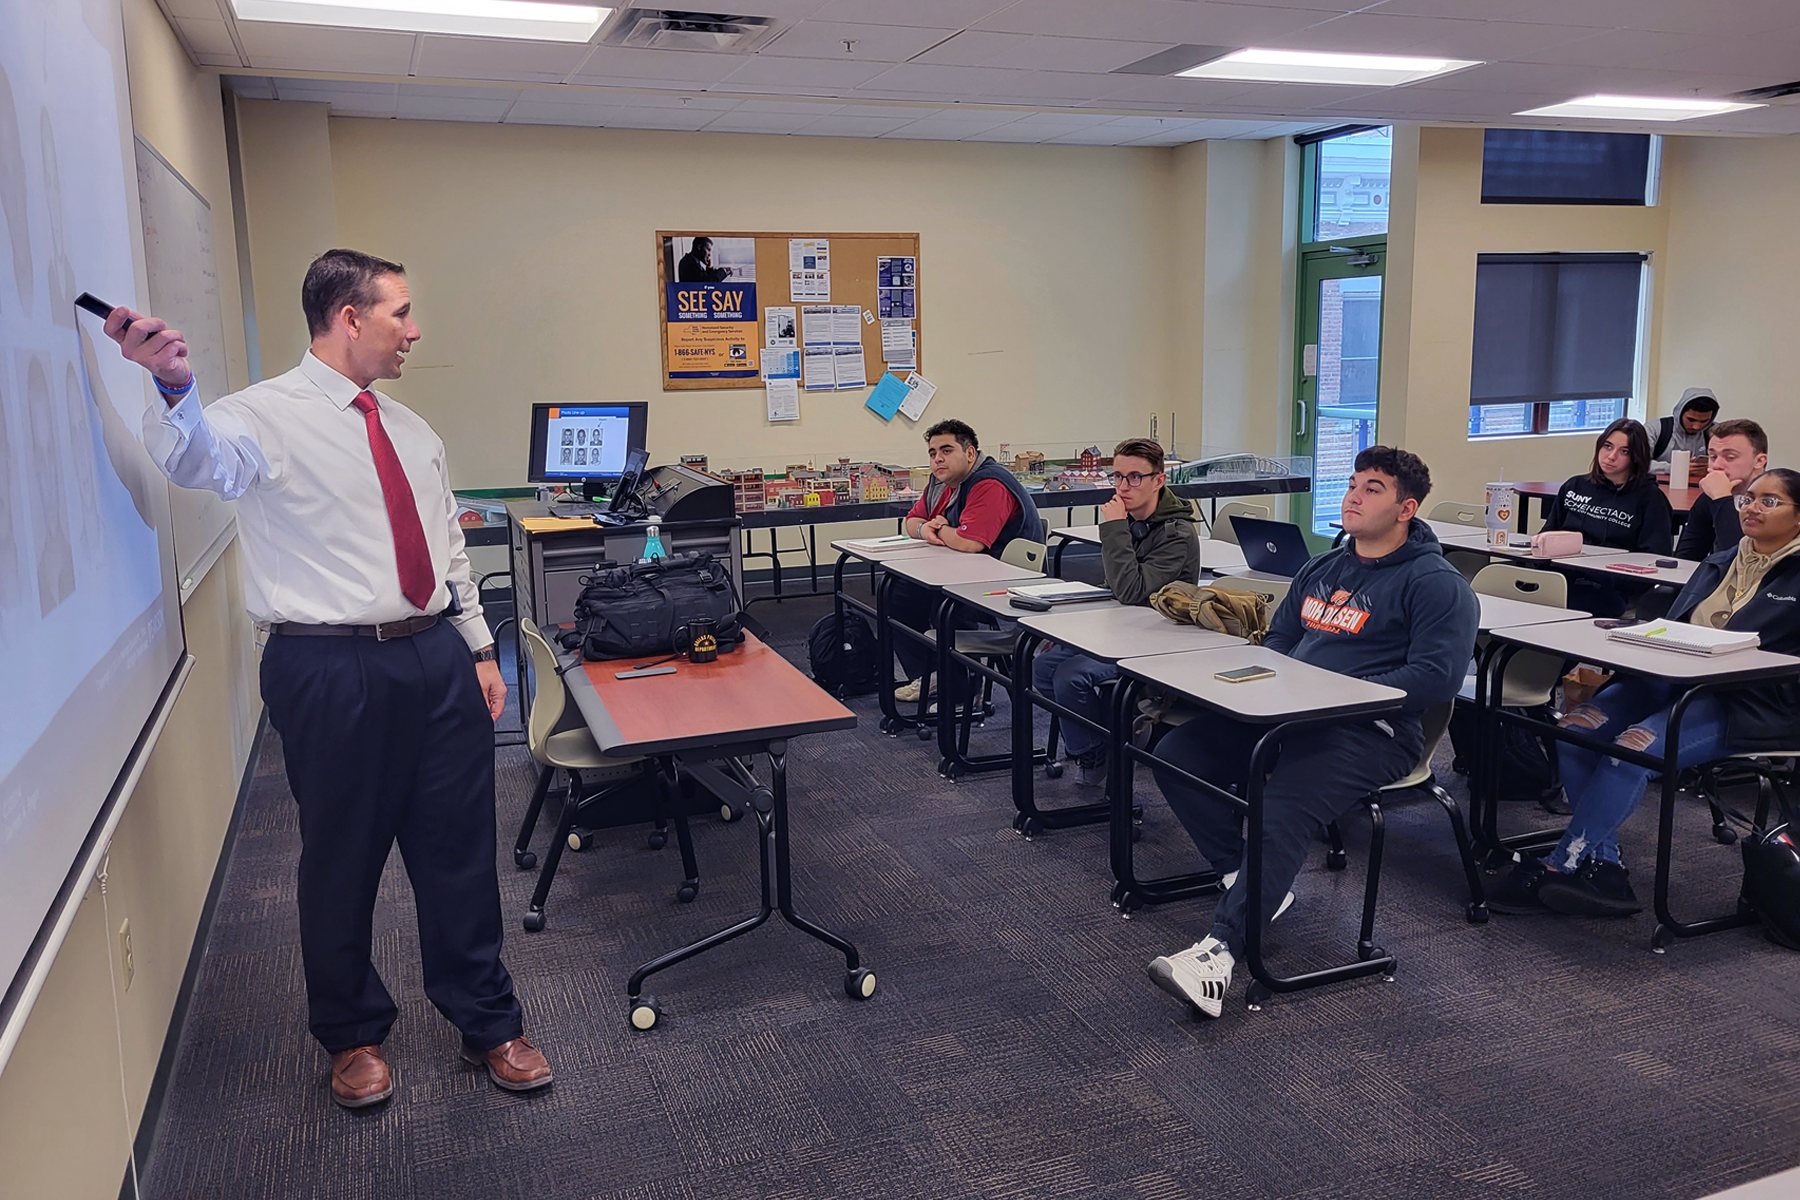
x,y
719,331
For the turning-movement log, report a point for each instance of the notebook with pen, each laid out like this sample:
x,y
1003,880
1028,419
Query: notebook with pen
x,y
1689,639
891,542
1060,591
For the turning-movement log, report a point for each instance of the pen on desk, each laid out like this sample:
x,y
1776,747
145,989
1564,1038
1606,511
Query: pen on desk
x,y
1001,592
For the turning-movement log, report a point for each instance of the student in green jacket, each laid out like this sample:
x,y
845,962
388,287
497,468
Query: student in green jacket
x,y
1147,540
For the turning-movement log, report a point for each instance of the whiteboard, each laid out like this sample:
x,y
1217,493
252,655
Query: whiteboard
x,y
184,291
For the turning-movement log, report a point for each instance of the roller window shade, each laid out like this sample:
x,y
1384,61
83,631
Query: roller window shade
x,y
1552,327
1558,166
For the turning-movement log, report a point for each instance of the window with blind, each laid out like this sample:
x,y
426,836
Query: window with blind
x,y
1556,342
1560,166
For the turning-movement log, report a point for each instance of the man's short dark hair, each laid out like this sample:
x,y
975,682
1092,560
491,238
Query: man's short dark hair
x,y
701,245
1412,478
337,278
1145,448
1742,427
1701,403
965,436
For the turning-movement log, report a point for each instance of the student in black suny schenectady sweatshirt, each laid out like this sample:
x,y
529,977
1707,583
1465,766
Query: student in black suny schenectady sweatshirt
x,y
1617,504
1386,607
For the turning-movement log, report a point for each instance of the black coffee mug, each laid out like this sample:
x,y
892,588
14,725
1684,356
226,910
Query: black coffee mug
x,y
701,639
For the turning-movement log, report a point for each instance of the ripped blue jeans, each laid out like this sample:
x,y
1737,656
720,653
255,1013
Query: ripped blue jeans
x,y
1603,791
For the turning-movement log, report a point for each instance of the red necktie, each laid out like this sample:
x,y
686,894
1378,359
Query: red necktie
x,y
413,558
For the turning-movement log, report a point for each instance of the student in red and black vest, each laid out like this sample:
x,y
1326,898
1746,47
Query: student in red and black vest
x,y
972,504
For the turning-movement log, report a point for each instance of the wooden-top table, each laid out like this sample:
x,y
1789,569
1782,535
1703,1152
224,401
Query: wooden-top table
x,y
750,701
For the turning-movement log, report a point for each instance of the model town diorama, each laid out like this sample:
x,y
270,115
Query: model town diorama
x,y
804,485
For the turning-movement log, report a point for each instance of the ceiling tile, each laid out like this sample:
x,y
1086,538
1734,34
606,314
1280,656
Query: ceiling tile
x,y
922,79
1023,52
1063,87
868,43
208,37
199,10
661,118
778,107
757,122
311,48
842,125
1165,21
493,58
531,112
656,68
697,102
943,14
799,76
452,108
1608,48
1194,95
1777,58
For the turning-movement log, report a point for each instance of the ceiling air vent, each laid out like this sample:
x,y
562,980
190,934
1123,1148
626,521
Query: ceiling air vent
x,y
671,29
1779,93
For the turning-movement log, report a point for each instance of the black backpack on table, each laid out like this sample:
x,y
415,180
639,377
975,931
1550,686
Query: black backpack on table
x,y
639,609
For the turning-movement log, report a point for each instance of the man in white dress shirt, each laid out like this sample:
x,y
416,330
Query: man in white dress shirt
x,y
379,674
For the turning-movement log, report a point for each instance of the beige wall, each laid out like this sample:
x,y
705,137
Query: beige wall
x,y
1731,286
1427,337
1043,273
290,215
64,1125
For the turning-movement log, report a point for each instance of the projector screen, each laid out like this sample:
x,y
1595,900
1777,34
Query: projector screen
x,y
90,624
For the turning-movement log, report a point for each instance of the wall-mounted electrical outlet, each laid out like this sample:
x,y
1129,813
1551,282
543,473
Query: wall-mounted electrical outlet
x,y
125,964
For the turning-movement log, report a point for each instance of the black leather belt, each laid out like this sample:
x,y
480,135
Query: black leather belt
x,y
381,633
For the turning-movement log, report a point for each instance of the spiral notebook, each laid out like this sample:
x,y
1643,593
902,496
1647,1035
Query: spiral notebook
x,y
1689,639
1061,592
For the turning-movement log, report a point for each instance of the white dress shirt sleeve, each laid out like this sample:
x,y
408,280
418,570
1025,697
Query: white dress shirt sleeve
x,y
219,455
471,624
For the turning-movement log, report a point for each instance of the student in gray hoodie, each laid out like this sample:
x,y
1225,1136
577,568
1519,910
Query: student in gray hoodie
x,y
1385,606
1147,540
1685,428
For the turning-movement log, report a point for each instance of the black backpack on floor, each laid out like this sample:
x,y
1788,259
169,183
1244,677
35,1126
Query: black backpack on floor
x,y
842,657
1525,771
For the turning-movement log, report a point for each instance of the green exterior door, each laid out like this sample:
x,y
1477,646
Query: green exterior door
x,y
1337,378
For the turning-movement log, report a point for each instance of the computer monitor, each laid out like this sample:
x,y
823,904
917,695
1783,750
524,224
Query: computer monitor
x,y
576,443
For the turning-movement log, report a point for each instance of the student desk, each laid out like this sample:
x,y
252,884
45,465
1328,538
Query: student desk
x,y
1105,633
1499,611
1544,490
1586,642
1216,554
991,600
933,570
1675,577
751,701
849,552
1298,698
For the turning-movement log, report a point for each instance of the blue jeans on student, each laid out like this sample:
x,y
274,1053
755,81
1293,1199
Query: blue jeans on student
x,y
1603,791
1074,680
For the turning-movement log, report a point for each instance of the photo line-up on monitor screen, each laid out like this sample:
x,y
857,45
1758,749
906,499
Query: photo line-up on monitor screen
x,y
584,441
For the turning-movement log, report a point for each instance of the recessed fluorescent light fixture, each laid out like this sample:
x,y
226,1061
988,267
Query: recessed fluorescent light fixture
x,y
1639,108
1307,66
528,20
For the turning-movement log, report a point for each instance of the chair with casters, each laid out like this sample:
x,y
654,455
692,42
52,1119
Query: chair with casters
x,y
1771,768
559,740
1436,721
1221,524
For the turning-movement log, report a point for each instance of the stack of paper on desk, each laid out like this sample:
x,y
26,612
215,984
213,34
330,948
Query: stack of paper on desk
x,y
1689,639
1060,591
881,543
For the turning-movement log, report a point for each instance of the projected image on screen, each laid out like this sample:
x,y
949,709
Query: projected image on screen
x,y
89,623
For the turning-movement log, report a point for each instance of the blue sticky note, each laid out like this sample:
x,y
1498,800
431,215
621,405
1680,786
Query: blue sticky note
x,y
887,397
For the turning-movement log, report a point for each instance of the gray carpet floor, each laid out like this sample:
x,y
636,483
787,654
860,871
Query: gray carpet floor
x,y
1015,1047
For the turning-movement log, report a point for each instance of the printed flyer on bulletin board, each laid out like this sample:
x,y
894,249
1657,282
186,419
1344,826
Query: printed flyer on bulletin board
x,y
712,319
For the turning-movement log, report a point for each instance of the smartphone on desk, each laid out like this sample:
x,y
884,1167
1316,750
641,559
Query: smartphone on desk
x,y
1612,623
1245,674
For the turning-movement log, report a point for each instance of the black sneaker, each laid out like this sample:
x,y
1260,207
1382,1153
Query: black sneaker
x,y
1517,893
1596,889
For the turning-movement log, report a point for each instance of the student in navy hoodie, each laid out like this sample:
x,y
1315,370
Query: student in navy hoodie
x,y
1617,504
1753,586
1385,606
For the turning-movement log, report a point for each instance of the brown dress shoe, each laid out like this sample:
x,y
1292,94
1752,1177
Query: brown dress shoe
x,y
360,1077
517,1066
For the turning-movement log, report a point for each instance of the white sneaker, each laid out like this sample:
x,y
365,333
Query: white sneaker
x,y
1230,877
1198,975
908,693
